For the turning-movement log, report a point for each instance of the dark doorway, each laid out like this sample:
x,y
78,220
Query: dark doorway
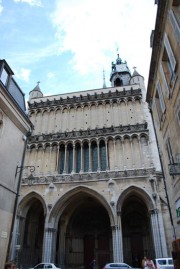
x,y
88,236
136,229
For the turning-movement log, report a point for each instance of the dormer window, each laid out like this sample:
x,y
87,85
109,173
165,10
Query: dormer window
x,y
4,77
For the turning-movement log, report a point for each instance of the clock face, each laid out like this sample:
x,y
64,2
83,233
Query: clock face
x,y
121,67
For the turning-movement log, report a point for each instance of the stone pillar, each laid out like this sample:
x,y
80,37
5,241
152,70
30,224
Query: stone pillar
x,y
49,245
132,155
49,162
141,154
117,243
115,157
42,160
65,157
119,238
158,234
124,156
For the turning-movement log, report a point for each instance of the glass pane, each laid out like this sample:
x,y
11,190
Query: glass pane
x,y
94,157
102,150
86,158
4,77
78,159
70,160
61,159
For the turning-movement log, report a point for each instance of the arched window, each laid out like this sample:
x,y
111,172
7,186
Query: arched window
x,y
118,82
61,158
94,156
86,157
102,153
70,158
78,158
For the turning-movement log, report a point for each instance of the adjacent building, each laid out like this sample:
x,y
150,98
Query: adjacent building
x,y
97,190
14,127
163,96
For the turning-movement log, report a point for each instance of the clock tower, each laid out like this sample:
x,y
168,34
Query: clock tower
x,y
120,75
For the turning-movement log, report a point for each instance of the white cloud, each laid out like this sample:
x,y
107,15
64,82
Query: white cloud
x,y
1,7
50,75
23,74
30,2
92,30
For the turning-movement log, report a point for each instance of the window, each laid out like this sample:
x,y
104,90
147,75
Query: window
x,y
173,17
158,103
4,77
70,158
86,157
78,158
61,159
102,152
94,156
168,62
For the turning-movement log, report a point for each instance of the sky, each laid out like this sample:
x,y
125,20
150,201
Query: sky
x,y
66,44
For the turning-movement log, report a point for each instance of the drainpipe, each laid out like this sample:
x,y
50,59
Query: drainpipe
x,y
164,179
28,134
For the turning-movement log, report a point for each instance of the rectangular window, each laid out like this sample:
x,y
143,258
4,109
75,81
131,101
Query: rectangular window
x,y
169,52
160,97
164,80
4,77
175,25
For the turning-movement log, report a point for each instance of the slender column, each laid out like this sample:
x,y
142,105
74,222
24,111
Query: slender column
x,y
73,168
141,154
134,111
81,158
82,116
119,237
124,156
98,153
61,120
115,157
42,160
119,111
50,155
114,239
57,159
107,159
104,114
111,113
35,157
48,245
65,160
132,155
68,118
90,164
97,115
158,234
28,151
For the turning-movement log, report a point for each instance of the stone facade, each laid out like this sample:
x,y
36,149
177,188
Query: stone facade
x,y
14,126
97,189
163,95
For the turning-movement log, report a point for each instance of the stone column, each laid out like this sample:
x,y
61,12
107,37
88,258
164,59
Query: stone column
x,y
115,157
141,153
158,234
42,159
119,238
49,162
65,157
124,156
132,155
117,244
49,245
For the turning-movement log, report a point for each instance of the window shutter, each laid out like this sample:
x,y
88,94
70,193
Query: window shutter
x,y
164,80
154,109
161,98
169,52
174,25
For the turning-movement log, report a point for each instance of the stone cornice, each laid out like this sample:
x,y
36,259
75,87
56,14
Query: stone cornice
x,y
85,99
105,131
102,175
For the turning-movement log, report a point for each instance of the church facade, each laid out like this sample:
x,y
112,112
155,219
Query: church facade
x,y
95,189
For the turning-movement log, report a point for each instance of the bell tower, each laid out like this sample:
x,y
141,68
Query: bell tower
x,y
120,75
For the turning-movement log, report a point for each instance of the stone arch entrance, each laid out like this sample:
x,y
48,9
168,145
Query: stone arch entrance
x,y
31,231
136,228
83,233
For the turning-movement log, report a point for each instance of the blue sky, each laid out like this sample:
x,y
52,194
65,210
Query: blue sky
x,y
66,44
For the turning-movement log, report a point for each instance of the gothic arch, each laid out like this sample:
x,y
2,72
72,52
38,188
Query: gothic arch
x,y
26,201
141,193
69,196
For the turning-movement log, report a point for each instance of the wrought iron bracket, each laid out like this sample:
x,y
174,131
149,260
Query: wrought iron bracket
x,y
20,168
